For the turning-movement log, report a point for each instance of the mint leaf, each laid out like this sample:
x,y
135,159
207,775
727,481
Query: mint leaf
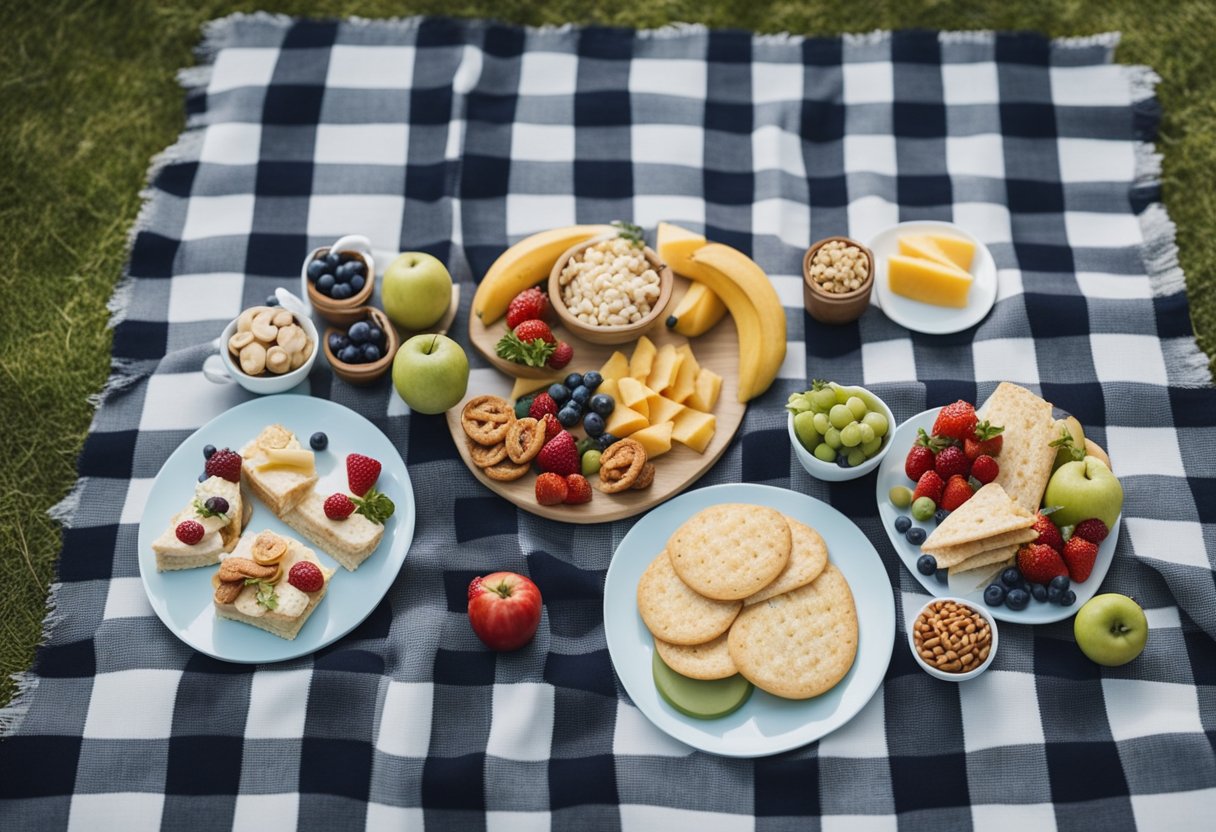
x,y
375,506
629,231
265,596
202,511
534,353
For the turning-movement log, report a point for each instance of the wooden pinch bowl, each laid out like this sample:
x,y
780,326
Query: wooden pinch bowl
x,y
341,312
610,334
361,374
830,308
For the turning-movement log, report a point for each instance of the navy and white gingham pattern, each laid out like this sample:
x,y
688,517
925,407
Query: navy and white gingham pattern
x,y
458,138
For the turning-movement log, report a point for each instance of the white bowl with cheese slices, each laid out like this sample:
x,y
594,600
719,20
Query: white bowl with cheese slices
x,y
945,277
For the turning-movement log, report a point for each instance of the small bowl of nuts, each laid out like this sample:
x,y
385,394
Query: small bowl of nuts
x,y
952,639
837,276
610,290
265,349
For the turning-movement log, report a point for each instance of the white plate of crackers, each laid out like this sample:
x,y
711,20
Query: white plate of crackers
x,y
183,598
812,566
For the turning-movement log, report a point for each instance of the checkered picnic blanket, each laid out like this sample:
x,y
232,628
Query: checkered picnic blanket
x,y
459,137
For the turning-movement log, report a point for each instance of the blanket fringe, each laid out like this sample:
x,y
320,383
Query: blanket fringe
x,y
13,714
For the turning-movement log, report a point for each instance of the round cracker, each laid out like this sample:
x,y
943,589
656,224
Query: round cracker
x,y
710,660
808,557
674,613
731,551
799,644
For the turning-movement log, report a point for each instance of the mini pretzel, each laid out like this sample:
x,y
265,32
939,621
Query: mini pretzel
x,y
227,591
525,438
484,456
268,548
645,477
486,419
621,465
506,471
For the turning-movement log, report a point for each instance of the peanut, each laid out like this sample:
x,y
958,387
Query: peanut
x,y
952,637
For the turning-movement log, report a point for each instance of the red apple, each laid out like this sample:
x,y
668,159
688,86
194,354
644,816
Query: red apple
x,y
504,609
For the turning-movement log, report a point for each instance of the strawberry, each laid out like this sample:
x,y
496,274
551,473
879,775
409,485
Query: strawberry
x,y
531,330
338,506
306,576
551,488
578,490
920,457
957,492
1049,535
559,455
950,463
561,356
929,485
956,421
542,404
1040,563
1079,557
224,463
1093,530
984,468
987,439
528,305
189,532
361,473
552,426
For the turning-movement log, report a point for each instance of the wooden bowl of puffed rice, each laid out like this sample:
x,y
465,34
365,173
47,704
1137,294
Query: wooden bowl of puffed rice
x,y
837,277
610,290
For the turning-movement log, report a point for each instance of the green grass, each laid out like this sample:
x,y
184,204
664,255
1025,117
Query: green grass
x,y
88,93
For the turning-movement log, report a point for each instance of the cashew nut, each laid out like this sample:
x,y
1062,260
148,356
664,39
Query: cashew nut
x,y
262,327
282,318
253,358
298,358
287,336
238,342
278,361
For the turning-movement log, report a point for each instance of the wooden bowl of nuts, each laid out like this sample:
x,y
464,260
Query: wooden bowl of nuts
x,y
364,351
837,277
610,290
267,349
952,639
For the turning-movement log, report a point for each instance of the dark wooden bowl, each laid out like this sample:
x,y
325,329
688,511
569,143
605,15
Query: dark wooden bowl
x,y
610,334
364,373
342,312
828,307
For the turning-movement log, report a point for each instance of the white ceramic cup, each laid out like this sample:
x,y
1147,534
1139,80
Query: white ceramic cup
x,y
220,368
941,674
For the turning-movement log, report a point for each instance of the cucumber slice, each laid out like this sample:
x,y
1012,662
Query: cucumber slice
x,y
700,698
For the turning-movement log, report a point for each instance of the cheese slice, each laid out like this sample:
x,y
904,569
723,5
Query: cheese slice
x,y
694,429
524,386
634,395
615,367
960,251
666,366
642,360
296,459
928,282
656,439
686,378
706,390
919,245
624,421
663,409
609,388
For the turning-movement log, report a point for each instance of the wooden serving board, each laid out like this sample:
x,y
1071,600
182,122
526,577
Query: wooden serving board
x,y
675,470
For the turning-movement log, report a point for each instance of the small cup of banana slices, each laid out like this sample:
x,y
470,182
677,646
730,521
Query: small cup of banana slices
x,y
265,349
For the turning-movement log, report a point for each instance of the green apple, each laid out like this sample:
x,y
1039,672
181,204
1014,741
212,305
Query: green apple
x,y
1069,441
1082,490
416,290
1111,629
431,372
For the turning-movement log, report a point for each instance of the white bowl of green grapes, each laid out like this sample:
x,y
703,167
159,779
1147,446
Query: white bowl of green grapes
x,y
839,433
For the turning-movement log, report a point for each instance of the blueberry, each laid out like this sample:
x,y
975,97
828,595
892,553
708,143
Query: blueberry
x,y
218,505
1011,577
208,451
318,441
574,380
994,595
1053,594
375,335
272,300
592,380
357,267
1038,592
605,439
601,403
1060,582
559,392
356,283
358,332
351,355
580,394
341,291
903,523
316,268
346,271
943,575
332,261
337,342
325,283
842,461
202,477
341,277
926,564
1068,598
593,423
915,535
371,352
568,416
1017,599
940,515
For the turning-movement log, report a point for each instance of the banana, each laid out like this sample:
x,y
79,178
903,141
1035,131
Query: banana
x,y
697,311
747,321
676,244
525,264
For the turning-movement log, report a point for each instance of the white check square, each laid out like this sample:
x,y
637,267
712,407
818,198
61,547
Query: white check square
x,y
970,83
218,216
237,67
776,82
542,142
981,155
1100,230
870,154
528,213
636,816
517,821
788,220
1139,708
634,734
678,77
277,700
362,144
405,720
548,73
859,823
1090,86
865,735
260,812
1096,160
990,693
1186,545
986,220
138,490
132,704
128,811
869,215
381,816
205,297
651,209
377,216
521,725
126,599
1005,359
370,67
1128,358
1144,451
869,83
776,149
1013,817
1170,811
891,360
667,144
231,143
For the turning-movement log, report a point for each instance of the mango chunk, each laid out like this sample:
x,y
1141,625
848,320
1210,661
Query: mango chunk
x,y
634,394
624,420
656,439
919,245
705,391
694,429
615,367
642,360
928,282
666,365
686,378
663,409
609,387
960,251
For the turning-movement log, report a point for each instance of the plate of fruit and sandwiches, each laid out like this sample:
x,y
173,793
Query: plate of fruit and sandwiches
x,y
1008,505
747,620
290,537
677,387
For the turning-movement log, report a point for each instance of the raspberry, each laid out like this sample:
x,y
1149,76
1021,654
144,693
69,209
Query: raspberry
x,y
189,532
306,577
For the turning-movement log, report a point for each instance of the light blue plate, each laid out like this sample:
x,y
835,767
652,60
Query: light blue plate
x,y
766,724
182,599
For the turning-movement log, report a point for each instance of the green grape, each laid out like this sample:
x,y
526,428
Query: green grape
x,y
923,508
877,422
867,433
798,403
832,437
805,428
825,453
900,495
840,416
872,447
842,395
856,457
822,399
822,422
857,406
868,398
850,435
